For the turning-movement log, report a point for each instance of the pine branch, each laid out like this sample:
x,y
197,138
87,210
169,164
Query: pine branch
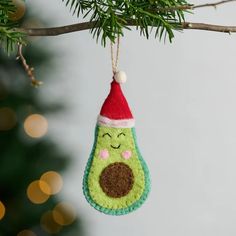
x,y
112,17
209,27
89,25
213,4
54,31
9,37
110,20
28,69
192,7
6,7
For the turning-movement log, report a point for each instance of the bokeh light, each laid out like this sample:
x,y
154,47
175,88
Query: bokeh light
x,y
48,223
64,214
53,180
26,233
20,10
36,126
7,119
36,192
2,210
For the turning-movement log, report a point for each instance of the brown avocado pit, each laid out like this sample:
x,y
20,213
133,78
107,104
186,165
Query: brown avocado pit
x,y
116,180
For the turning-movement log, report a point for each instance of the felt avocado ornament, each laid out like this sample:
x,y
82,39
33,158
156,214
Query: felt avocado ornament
x,y
116,179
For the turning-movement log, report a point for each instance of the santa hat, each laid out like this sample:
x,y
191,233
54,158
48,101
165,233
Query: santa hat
x,y
115,111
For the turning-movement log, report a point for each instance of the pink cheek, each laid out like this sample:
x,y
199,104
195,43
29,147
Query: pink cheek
x,y
126,154
104,154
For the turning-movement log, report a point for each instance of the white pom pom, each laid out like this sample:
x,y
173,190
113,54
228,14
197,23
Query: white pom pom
x,y
120,77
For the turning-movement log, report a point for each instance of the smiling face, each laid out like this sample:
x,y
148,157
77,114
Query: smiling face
x,y
115,141
118,136
115,138
116,178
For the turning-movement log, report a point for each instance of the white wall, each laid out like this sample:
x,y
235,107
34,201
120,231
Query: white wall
x,y
183,96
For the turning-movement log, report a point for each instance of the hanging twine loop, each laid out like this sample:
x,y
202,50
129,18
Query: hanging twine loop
x,y
119,76
115,55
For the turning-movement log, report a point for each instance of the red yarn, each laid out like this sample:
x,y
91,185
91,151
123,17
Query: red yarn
x,y
115,106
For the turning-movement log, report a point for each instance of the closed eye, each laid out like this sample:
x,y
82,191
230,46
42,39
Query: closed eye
x,y
106,134
120,135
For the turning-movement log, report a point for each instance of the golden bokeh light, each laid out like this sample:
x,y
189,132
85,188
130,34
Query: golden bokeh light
x,y
7,119
48,223
20,10
26,233
36,126
64,214
2,210
36,192
54,181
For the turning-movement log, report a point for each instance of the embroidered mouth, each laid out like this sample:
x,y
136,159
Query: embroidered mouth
x,y
115,147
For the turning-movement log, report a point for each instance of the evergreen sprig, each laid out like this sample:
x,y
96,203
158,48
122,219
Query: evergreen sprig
x,y
6,7
9,38
113,16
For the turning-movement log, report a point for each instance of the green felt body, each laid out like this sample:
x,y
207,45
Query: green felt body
x,y
91,187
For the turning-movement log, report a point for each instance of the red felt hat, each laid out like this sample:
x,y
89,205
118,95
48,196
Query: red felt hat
x,y
115,111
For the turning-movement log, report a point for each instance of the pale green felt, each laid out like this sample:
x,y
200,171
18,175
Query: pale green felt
x,y
92,190
126,143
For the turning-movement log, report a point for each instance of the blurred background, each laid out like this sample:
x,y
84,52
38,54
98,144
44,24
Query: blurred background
x,y
183,98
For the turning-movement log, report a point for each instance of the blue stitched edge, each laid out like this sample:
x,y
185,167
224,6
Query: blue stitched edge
x,y
121,211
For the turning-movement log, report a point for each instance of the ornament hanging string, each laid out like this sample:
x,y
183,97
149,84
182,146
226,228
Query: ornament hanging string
x,y
119,76
115,58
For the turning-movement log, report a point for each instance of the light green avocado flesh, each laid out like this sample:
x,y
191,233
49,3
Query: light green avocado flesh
x,y
115,141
